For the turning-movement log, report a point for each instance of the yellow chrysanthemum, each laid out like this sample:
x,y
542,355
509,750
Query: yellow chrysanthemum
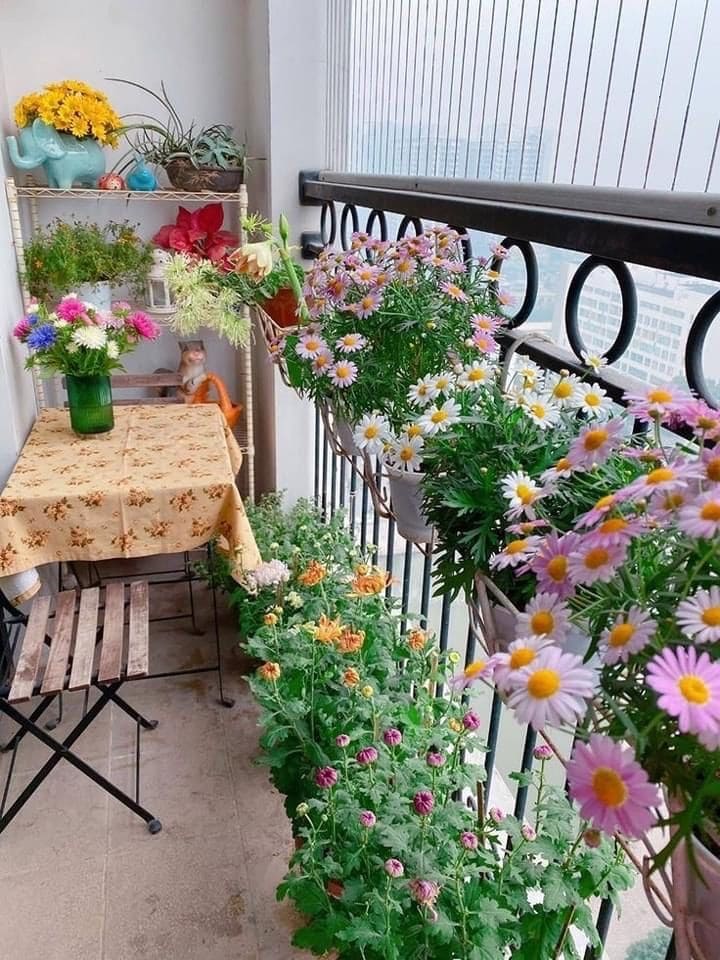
x,y
71,106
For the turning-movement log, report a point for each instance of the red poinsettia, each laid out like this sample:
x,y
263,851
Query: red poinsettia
x,y
198,234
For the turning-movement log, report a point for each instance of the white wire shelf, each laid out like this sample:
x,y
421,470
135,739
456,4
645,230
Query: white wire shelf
x,y
82,193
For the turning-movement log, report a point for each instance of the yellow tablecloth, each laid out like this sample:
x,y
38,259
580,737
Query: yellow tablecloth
x,y
162,481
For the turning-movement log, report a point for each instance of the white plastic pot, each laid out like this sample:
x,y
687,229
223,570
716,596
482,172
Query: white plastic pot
x,y
406,499
98,294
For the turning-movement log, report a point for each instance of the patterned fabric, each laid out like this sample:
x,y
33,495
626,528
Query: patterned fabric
x,y
162,481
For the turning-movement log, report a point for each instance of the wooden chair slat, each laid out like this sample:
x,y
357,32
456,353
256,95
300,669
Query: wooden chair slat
x,y
112,642
139,641
85,639
57,664
129,380
137,401
27,667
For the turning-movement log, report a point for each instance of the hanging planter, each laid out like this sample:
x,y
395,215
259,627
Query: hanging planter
x,y
406,499
282,309
344,434
695,897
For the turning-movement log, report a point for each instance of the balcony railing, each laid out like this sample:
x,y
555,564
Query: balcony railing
x,y
673,232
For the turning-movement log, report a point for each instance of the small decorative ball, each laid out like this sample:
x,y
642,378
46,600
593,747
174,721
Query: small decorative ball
x,y
111,181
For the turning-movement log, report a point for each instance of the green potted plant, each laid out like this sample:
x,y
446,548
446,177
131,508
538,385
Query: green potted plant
x,y
87,259
194,159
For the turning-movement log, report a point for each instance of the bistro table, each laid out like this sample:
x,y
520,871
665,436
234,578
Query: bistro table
x,y
162,481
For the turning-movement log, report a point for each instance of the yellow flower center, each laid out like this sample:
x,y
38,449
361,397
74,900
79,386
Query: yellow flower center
x,y
342,370
517,546
414,430
613,525
441,383
453,290
563,464
563,389
524,493
609,787
606,501
371,431
349,340
660,475
422,390
595,438
711,616
673,500
476,374
543,683
694,689
659,396
322,360
521,657
367,303
557,567
711,511
473,669
312,344
406,454
621,634
542,622
593,400
596,558
437,416
538,410
713,469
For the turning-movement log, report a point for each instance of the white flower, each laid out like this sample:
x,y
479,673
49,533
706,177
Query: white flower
x,y
541,410
58,321
420,393
404,453
529,374
437,419
94,338
522,492
594,361
268,574
310,345
545,616
594,401
350,342
294,600
564,389
553,689
371,432
34,308
113,351
72,347
442,383
475,374
699,615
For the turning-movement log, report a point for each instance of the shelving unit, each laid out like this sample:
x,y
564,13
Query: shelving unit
x,y
33,194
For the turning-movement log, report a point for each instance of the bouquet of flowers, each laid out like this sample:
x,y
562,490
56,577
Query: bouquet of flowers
x,y
78,339
71,107
382,316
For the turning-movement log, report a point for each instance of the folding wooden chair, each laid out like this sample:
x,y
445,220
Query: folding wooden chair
x,y
80,654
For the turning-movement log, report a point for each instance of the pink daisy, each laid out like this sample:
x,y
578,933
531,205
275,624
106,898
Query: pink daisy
x,y
454,291
551,564
310,345
656,404
689,688
367,304
405,267
561,469
338,287
527,526
595,443
344,373
552,689
520,653
602,507
505,298
701,518
629,633
365,275
499,251
545,616
515,553
614,530
702,418
699,616
350,342
485,322
611,788
485,342
477,670
592,562
710,464
671,476
322,362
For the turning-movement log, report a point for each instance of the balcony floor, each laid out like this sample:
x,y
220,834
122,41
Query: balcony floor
x,y
82,879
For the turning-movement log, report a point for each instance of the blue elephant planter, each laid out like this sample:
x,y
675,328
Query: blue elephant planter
x,y
65,159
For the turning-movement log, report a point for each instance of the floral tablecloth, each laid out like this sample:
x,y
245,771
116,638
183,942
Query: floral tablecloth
x,y
162,481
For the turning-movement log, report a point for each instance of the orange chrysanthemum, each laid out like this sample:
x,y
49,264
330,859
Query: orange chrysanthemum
x,y
350,641
313,574
327,630
351,678
270,671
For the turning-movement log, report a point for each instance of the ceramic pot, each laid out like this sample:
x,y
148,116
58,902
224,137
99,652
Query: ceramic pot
x,y
98,294
183,175
281,308
406,499
20,587
65,159
90,404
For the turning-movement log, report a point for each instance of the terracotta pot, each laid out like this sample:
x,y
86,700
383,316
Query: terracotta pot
x,y
406,499
183,175
281,308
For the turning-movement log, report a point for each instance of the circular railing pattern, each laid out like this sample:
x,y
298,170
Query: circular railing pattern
x,y
416,224
349,210
531,277
694,348
628,317
328,239
379,216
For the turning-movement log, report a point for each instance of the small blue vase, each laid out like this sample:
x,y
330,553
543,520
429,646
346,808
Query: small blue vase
x,y
141,177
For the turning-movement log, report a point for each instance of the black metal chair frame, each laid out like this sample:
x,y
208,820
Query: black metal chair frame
x,y
11,622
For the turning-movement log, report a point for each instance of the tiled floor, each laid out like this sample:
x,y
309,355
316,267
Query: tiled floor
x,y
82,879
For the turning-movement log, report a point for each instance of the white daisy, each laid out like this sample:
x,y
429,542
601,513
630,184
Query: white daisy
x,y
343,373
310,345
699,616
442,383
322,362
113,350
529,373
475,374
94,338
594,361
553,689
521,491
438,419
563,389
520,653
541,410
594,401
350,342
404,453
370,433
420,392
545,616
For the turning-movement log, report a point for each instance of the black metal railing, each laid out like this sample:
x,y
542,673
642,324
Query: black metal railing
x,y
679,233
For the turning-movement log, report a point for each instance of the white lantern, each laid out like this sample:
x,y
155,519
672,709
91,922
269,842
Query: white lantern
x,y
158,297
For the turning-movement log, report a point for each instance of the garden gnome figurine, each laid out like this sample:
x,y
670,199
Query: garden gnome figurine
x,y
141,177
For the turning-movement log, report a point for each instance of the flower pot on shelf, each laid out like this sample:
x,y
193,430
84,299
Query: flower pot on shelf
x,y
65,159
281,308
406,499
90,404
98,294
184,175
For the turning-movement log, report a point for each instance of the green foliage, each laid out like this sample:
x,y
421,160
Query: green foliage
x,y
487,900
61,257
653,947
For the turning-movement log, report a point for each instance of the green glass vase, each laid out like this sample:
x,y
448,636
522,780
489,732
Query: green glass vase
x,y
90,404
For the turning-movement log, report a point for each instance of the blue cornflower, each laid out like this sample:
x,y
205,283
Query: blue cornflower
x,y
42,337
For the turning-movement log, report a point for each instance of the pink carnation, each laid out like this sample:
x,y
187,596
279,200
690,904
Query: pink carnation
x,y
22,328
143,326
70,308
